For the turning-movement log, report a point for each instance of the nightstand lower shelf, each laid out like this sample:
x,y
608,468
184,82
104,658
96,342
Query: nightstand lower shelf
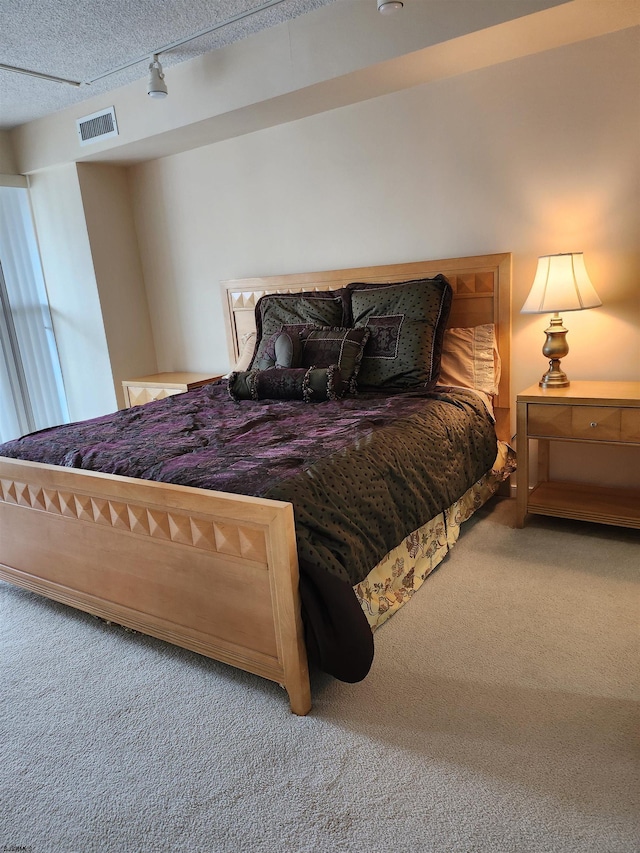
x,y
620,507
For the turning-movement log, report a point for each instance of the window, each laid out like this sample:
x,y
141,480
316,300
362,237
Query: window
x,y
31,387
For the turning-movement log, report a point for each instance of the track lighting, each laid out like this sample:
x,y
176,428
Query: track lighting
x,y
157,88
388,7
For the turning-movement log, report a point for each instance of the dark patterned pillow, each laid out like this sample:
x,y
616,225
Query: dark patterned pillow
x,y
275,311
344,347
313,385
407,322
283,349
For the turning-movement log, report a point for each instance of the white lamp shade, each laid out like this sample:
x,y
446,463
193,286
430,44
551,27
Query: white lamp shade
x,y
561,284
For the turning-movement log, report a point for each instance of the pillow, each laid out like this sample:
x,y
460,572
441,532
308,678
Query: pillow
x,y
288,383
299,311
407,322
470,358
247,346
344,347
281,350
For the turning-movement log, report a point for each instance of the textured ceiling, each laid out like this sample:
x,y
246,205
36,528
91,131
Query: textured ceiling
x,y
82,39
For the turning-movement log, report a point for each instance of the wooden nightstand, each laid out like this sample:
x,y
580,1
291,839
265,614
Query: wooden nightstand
x,y
157,386
587,412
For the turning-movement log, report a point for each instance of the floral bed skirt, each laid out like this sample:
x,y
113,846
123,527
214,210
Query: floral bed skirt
x,y
402,572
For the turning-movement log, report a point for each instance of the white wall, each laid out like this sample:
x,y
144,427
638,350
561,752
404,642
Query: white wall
x,y
118,271
533,156
8,164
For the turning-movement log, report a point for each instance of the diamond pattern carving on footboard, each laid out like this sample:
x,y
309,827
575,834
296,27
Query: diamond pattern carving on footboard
x,y
180,527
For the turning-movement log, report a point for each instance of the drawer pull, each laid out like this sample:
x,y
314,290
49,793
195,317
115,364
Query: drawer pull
x,y
593,424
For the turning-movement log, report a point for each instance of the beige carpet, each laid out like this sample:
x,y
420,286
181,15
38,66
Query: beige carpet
x,y
499,716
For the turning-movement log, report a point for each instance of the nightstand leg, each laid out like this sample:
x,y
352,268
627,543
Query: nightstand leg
x,y
543,460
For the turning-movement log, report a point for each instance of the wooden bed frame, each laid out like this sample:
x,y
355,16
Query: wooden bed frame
x,y
208,571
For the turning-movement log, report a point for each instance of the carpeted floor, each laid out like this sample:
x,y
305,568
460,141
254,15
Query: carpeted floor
x,y
499,716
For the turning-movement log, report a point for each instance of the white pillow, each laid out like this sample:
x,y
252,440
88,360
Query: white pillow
x,y
470,359
247,346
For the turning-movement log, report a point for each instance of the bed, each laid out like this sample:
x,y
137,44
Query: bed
x,y
219,572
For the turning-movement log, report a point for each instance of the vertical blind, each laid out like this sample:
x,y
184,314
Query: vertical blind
x,y
31,387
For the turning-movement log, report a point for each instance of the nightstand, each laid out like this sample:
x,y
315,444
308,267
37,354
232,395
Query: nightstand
x,y
157,386
593,413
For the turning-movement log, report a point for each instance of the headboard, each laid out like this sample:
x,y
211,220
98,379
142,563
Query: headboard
x,y
482,294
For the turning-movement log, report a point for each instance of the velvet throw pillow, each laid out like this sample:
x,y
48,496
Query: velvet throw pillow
x,y
276,311
313,385
283,349
344,347
407,322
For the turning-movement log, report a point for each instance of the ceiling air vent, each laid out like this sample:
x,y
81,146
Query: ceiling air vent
x,y
97,126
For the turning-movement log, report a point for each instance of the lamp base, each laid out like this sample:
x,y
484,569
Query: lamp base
x,y
555,348
554,377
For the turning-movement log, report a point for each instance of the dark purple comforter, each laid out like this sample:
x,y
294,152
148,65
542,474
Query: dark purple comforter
x,y
362,473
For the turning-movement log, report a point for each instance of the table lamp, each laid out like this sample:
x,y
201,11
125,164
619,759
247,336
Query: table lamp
x,y
561,284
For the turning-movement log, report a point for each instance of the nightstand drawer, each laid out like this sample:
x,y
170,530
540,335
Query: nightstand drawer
x,y
550,420
630,425
594,423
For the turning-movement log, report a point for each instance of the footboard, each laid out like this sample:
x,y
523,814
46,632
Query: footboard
x,y
208,571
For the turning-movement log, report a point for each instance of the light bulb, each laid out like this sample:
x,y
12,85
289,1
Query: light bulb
x,y
388,7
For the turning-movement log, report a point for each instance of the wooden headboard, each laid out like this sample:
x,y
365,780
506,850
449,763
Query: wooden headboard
x,y
482,294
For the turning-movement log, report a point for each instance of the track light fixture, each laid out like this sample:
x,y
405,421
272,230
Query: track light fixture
x,y
157,88
388,7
